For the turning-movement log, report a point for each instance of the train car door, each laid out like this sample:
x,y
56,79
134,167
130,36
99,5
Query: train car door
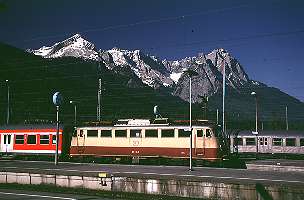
x,y
200,143
6,143
264,144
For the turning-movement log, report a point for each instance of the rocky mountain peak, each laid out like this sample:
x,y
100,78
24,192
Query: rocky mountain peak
x,y
75,46
210,69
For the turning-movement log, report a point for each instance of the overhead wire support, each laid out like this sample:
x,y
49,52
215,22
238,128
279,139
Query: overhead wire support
x,y
286,117
8,102
224,89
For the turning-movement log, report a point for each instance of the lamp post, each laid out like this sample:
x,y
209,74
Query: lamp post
x,y
205,100
286,117
75,111
57,99
224,93
8,101
191,74
256,121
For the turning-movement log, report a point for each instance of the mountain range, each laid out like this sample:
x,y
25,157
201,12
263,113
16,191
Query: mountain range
x,y
158,73
133,82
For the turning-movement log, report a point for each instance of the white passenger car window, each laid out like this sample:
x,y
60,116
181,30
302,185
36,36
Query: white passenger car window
x,y
277,142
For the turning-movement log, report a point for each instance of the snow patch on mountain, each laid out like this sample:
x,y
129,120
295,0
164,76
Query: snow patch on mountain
x,y
74,46
118,57
145,67
255,82
175,76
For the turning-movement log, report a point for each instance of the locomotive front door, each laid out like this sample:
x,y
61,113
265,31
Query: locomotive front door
x,y
6,143
80,141
200,143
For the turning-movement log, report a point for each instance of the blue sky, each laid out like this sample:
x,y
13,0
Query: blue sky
x,y
266,36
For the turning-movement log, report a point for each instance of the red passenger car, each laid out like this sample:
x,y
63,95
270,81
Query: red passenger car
x,y
29,139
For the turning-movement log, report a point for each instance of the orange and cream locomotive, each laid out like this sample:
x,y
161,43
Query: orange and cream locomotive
x,y
147,138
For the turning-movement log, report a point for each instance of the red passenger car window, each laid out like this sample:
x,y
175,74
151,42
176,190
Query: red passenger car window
x,y
31,139
53,139
19,139
44,139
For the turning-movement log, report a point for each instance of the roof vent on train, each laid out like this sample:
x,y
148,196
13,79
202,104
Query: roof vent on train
x,y
163,121
132,122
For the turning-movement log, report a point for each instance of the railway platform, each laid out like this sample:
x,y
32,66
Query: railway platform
x,y
276,165
203,182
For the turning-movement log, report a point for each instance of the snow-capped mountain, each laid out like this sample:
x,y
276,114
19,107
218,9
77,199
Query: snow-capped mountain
x,y
148,69
156,73
74,46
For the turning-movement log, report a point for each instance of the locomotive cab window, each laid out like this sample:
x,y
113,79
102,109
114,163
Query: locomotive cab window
x,y
167,133
135,133
92,133
301,142
44,139
200,133
151,133
208,133
31,139
183,133
106,133
81,133
290,142
19,139
120,133
238,141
